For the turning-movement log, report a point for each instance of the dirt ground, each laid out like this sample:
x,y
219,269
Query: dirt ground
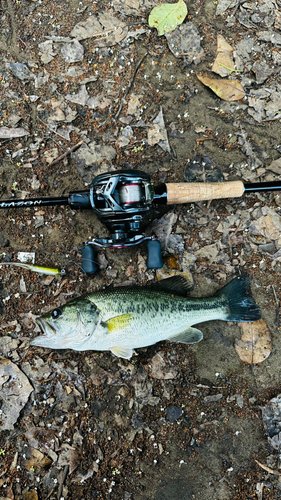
x,y
177,421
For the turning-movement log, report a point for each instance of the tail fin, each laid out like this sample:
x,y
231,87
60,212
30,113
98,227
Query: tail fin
x,y
241,304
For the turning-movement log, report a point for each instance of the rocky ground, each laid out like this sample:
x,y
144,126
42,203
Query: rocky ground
x,y
177,421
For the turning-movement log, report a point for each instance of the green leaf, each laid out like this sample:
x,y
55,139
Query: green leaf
x,y
167,16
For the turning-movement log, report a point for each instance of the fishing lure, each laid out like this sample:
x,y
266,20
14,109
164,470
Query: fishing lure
x,y
50,271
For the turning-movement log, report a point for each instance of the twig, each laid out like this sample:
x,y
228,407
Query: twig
x,y
65,473
237,7
61,157
277,307
130,85
50,494
268,469
50,129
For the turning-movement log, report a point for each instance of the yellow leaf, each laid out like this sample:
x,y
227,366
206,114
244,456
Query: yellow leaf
x,y
228,90
167,16
255,344
223,64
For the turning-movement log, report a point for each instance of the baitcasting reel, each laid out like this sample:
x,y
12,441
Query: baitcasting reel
x,y
123,201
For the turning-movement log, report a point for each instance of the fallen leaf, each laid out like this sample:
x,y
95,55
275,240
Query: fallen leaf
x,y
58,291
209,252
185,41
230,90
30,495
14,393
223,64
154,135
86,29
157,134
255,344
167,17
108,39
34,458
172,262
163,228
160,369
134,104
11,133
41,439
275,166
50,155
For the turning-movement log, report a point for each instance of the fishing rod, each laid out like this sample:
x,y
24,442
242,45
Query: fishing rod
x,y
124,201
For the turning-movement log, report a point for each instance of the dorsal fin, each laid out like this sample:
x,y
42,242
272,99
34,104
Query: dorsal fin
x,y
176,284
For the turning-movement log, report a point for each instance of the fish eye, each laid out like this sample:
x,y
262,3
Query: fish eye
x,y
56,313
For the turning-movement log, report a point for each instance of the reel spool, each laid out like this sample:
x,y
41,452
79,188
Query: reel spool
x,y
130,194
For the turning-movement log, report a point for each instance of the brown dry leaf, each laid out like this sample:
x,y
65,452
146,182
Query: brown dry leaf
x,y
172,262
31,495
159,369
60,287
255,344
108,39
230,90
41,439
223,64
34,458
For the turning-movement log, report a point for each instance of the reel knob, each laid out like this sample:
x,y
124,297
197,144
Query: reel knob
x,y
154,258
89,263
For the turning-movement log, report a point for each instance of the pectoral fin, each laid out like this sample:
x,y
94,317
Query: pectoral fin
x,y
189,336
122,352
118,322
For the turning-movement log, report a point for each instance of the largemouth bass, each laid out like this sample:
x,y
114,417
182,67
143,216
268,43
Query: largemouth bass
x,y
125,318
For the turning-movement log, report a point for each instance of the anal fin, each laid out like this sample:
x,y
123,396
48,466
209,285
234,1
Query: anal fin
x,y
122,351
189,336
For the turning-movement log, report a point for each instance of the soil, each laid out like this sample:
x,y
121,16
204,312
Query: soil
x,y
176,421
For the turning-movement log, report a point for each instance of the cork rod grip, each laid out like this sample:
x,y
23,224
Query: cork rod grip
x,y
202,191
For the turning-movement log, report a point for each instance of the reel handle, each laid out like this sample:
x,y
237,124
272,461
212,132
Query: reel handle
x,y
184,192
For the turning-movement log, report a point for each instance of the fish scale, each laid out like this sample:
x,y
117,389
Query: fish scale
x,y
126,318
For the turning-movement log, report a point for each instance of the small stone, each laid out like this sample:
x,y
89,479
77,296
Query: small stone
x,y
173,413
239,400
262,71
212,399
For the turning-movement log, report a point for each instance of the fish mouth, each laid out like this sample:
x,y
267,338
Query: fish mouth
x,y
48,329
